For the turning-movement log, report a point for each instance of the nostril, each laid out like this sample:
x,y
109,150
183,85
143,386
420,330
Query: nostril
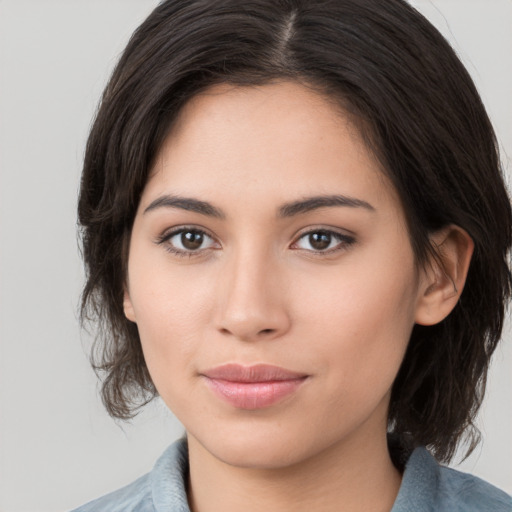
x,y
266,331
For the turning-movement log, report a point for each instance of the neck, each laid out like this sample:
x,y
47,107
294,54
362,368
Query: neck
x,y
354,475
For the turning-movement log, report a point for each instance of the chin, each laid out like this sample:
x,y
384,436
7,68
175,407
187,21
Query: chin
x,y
261,456
260,448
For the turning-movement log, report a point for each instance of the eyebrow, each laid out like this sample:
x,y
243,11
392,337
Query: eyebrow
x,y
287,210
186,203
314,203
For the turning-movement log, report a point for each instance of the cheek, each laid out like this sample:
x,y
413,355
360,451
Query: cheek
x,y
360,322
170,309
170,339
358,298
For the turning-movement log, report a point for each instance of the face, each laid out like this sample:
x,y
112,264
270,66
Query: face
x,y
271,277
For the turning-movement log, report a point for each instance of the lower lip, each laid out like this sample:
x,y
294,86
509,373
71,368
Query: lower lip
x,y
254,395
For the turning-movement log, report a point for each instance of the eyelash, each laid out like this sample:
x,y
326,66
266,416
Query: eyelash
x,y
166,237
344,241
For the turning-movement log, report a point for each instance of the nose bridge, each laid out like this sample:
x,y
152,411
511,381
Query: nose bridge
x,y
251,304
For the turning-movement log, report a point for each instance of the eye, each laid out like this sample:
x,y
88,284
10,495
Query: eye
x,y
323,241
187,241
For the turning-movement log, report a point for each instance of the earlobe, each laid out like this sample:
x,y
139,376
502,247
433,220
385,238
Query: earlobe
x,y
129,313
444,276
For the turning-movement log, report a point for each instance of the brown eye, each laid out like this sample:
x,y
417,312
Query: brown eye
x,y
191,240
319,241
323,241
187,241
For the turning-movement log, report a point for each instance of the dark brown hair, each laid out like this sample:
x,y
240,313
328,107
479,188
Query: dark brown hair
x,y
417,108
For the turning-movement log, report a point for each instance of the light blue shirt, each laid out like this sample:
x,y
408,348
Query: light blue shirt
x,y
426,486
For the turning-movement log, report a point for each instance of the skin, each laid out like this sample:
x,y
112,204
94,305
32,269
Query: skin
x,y
256,290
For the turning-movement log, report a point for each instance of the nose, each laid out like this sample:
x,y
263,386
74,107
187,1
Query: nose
x,y
251,304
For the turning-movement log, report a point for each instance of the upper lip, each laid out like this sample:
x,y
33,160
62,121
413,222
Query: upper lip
x,y
256,373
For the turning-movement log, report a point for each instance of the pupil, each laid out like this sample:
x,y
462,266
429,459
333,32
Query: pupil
x,y
320,241
191,240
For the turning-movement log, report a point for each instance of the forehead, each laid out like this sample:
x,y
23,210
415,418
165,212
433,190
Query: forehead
x,y
281,139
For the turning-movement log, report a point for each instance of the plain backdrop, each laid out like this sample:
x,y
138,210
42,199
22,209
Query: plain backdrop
x,y
58,448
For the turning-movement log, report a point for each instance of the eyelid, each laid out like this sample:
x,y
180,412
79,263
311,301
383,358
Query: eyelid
x,y
167,234
345,240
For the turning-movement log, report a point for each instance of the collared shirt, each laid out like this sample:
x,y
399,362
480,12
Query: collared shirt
x,y
426,487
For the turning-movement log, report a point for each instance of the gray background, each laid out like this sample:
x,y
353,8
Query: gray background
x,y
58,448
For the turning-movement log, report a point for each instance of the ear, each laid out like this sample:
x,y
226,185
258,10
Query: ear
x,y
129,313
444,276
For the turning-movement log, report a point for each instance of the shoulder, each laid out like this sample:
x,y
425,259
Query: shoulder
x,y
464,492
163,488
426,485
135,497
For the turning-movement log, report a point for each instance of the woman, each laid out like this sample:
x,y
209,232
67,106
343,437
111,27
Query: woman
x,y
296,233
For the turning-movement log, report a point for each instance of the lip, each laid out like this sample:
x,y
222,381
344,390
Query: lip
x,y
252,387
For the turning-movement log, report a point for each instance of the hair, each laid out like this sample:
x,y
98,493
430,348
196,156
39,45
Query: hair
x,y
419,113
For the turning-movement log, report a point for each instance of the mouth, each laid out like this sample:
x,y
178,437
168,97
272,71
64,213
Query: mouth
x,y
253,387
